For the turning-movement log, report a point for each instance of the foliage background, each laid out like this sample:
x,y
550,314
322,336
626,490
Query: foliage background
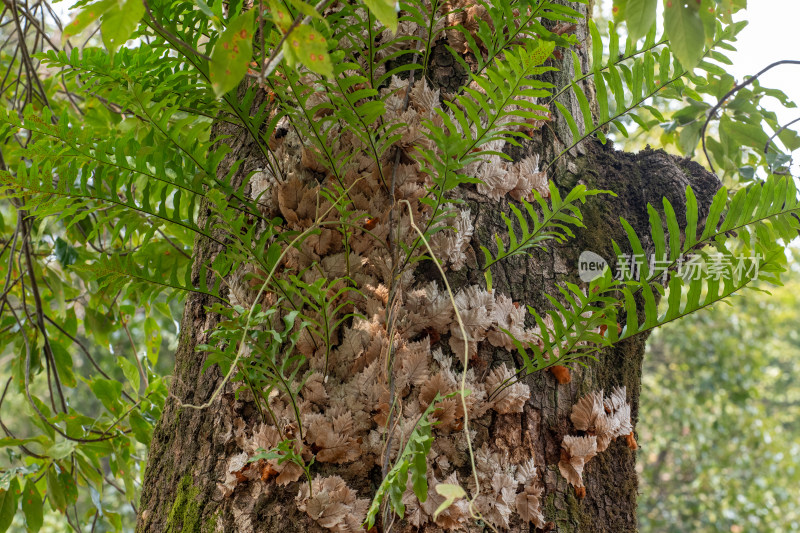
x,y
720,418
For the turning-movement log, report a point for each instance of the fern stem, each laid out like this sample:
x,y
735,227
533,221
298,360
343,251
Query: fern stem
x,y
604,68
602,124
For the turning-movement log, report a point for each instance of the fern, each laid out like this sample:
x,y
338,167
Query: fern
x,y
414,459
148,274
746,231
326,300
625,82
576,331
62,201
273,363
509,28
554,224
501,102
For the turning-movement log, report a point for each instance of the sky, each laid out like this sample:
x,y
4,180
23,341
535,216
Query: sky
x,y
773,34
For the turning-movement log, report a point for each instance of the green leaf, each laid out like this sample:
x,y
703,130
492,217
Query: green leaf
x,y
61,449
419,477
414,458
86,16
214,14
586,110
99,325
120,21
308,46
744,133
141,428
55,491
8,504
573,127
691,219
657,229
451,493
66,254
674,230
714,213
108,392
152,338
8,441
63,364
232,53
597,47
131,372
32,507
385,11
685,31
640,16
69,486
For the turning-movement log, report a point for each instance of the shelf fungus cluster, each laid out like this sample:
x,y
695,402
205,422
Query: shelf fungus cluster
x,y
602,420
394,345
401,345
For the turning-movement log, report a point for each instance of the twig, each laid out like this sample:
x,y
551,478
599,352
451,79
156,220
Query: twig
x,y
748,81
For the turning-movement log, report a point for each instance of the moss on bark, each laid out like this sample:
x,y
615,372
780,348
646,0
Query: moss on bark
x,y
184,517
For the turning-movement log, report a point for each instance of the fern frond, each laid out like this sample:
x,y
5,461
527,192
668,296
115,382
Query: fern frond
x,y
552,222
743,241
147,275
571,332
520,23
413,459
74,190
624,83
504,98
494,109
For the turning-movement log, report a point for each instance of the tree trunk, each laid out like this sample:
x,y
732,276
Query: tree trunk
x,y
191,450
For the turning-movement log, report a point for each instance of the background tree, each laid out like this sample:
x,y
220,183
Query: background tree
x,y
719,457
354,331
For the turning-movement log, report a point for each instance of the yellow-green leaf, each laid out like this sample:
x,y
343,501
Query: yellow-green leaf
x,y
308,46
640,16
451,493
385,11
280,15
232,53
86,16
685,31
308,9
119,22
619,9
540,53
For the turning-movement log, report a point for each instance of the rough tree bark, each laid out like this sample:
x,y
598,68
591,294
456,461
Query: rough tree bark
x,y
190,447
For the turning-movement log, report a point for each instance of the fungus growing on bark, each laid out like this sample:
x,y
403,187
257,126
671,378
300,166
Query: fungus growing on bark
x,y
345,404
333,504
575,453
603,419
